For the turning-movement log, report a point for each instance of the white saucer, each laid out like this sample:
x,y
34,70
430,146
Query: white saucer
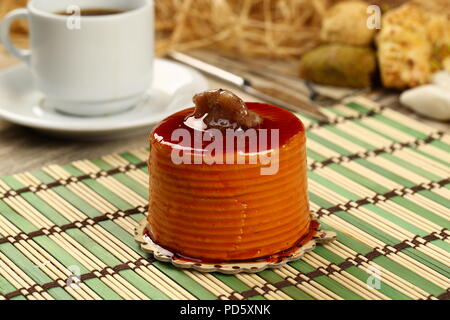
x,y
173,87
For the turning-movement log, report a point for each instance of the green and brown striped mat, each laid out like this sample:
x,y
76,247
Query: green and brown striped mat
x,y
378,178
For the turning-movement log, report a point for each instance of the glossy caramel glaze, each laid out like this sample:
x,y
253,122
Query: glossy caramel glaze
x,y
229,212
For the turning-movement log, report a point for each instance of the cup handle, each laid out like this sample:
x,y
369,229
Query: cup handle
x,y
22,54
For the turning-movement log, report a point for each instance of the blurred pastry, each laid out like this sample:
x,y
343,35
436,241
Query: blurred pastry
x,y
404,49
339,65
438,27
346,23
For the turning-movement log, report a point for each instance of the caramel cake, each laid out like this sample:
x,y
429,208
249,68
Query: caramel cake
x,y
222,212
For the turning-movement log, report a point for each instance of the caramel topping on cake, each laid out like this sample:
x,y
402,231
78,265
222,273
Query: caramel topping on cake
x,y
221,109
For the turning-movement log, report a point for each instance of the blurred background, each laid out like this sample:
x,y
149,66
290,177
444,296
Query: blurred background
x,y
277,29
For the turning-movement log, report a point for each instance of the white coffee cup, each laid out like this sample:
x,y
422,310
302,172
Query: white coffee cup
x,y
87,65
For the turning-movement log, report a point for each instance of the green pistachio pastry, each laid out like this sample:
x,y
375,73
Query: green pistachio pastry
x,y
339,65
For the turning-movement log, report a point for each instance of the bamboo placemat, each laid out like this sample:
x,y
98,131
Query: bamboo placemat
x,y
378,178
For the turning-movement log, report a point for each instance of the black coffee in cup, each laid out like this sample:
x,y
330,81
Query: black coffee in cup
x,y
92,12
80,78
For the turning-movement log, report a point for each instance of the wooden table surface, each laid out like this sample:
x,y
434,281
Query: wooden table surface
x,y
23,149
